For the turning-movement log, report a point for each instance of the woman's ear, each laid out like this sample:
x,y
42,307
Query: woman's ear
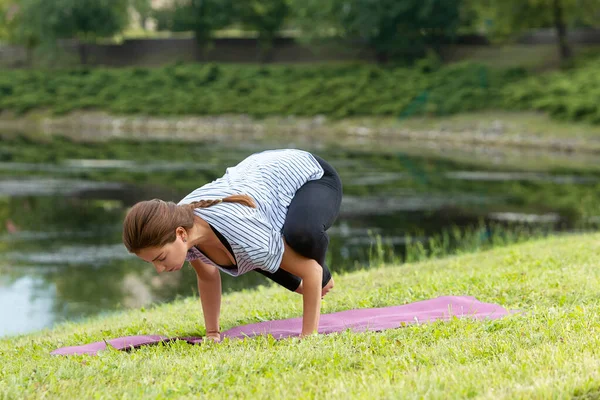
x,y
182,233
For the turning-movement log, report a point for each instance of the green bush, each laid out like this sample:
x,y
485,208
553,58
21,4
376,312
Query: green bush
x,y
571,95
339,91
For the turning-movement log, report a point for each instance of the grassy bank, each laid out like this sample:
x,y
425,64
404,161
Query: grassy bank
x,y
334,90
550,352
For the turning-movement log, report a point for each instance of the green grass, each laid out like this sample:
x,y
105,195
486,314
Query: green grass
x,y
552,351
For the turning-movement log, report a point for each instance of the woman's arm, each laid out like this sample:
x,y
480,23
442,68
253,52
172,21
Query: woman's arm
x,y
209,286
311,274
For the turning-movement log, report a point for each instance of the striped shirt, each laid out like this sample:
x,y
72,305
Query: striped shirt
x,y
271,178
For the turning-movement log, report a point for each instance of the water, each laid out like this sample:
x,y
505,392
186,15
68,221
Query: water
x,y
61,211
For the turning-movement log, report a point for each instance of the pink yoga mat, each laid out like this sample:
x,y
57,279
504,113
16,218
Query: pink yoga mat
x,y
359,320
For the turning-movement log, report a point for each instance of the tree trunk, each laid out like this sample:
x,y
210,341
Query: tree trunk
x,y
204,45
83,54
29,52
264,47
382,56
561,31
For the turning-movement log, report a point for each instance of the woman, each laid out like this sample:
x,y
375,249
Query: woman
x,y
267,214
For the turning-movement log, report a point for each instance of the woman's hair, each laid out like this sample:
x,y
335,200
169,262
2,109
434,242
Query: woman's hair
x,y
152,223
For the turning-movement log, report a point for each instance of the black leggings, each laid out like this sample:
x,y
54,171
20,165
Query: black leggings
x,y
312,211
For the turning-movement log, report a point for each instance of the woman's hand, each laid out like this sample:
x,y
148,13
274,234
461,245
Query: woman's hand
x,y
214,336
209,287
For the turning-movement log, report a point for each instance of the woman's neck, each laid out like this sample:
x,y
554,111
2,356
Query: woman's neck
x,y
202,235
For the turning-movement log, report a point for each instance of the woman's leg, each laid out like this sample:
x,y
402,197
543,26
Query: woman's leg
x,y
314,208
282,277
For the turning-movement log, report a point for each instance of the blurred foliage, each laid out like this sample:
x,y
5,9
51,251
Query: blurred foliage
x,y
144,9
570,95
505,18
339,91
20,23
397,30
86,19
264,16
393,28
40,22
4,17
203,17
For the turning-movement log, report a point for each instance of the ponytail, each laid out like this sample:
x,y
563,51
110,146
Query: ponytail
x,y
236,198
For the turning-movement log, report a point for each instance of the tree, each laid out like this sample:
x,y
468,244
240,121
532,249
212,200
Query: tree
x,y
510,17
144,10
202,17
89,20
393,28
5,12
20,25
264,16
43,22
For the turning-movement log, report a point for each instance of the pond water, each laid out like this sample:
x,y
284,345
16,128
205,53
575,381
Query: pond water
x,y
62,204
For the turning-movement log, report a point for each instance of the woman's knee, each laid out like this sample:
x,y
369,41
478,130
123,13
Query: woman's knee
x,y
309,241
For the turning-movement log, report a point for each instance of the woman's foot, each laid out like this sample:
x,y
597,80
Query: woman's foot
x,y
324,291
327,288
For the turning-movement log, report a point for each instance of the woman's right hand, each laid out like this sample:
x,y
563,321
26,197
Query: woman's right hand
x,y
209,287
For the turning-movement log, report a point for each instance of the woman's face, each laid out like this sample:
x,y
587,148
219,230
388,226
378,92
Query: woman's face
x,y
169,257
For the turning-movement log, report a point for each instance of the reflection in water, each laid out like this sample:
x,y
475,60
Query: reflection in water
x,y
25,305
44,186
78,165
530,218
518,176
76,255
406,203
61,256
